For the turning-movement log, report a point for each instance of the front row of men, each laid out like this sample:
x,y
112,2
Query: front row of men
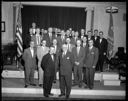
x,y
68,61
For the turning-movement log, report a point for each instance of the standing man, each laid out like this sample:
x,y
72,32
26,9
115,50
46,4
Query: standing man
x,y
90,64
56,54
41,51
85,46
49,37
65,71
103,44
69,45
48,65
79,54
29,57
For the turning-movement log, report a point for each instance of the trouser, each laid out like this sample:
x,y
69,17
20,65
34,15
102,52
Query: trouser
x,y
65,84
29,75
101,62
48,80
77,75
41,75
84,75
90,76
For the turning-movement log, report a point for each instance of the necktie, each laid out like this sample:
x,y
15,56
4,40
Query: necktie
x,y
78,49
52,57
32,52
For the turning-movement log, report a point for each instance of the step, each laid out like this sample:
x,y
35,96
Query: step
x,y
110,76
20,74
57,91
111,82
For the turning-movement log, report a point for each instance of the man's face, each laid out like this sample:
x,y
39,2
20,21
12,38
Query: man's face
x,y
82,31
33,25
50,30
54,41
101,35
52,50
78,42
32,44
44,43
95,33
68,40
84,39
38,30
90,43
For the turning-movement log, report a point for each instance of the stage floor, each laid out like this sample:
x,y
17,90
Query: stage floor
x,y
14,88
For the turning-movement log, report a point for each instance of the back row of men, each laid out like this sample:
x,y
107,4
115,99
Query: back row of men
x,y
70,39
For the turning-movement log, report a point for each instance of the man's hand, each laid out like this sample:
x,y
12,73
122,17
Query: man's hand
x,y
76,63
93,66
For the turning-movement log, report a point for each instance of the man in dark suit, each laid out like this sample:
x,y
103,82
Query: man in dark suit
x,y
103,44
96,39
48,65
29,57
49,37
65,71
90,63
78,53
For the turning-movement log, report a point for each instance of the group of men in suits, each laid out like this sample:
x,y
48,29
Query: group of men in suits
x,y
78,54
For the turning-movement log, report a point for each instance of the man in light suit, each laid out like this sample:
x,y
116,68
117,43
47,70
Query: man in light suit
x,y
90,64
29,57
66,63
48,65
69,45
79,54
41,51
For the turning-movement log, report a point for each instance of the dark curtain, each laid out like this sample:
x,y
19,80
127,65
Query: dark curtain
x,y
49,16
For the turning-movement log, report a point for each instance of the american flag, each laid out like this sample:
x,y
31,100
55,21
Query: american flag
x,y
19,33
110,38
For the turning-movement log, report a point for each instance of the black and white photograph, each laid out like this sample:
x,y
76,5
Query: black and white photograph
x,y
63,50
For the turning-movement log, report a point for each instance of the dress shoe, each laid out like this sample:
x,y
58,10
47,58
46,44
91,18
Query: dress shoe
x,y
33,84
61,95
86,87
80,85
74,84
67,96
90,87
46,95
54,81
51,94
26,86
41,85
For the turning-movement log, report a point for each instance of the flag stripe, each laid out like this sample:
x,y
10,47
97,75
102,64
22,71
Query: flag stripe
x,y
19,33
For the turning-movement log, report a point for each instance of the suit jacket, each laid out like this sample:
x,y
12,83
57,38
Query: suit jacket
x,y
60,41
66,63
103,46
96,42
40,53
48,40
48,65
30,62
71,47
92,57
79,57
